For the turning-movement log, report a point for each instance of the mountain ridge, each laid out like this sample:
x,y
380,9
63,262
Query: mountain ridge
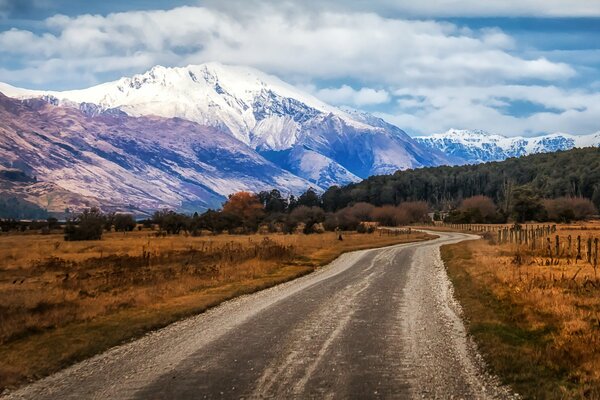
x,y
477,146
135,163
313,140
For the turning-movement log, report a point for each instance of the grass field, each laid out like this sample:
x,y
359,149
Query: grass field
x,y
65,301
534,315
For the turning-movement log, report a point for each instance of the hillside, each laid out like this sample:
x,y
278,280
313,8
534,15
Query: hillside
x,y
565,173
118,161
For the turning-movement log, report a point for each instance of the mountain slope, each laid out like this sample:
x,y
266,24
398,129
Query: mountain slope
x,y
311,139
141,163
470,147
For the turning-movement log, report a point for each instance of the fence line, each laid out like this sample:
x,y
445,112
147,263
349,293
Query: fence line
x,y
541,239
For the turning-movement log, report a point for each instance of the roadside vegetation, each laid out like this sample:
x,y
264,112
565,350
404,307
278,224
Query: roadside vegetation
x,y
533,306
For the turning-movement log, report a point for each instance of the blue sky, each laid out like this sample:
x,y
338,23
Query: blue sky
x,y
512,67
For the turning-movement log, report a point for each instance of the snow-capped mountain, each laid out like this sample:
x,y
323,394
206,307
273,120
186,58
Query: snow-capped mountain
x,y
118,161
293,129
475,146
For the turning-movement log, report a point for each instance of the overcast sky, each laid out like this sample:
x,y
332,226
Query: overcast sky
x,y
519,67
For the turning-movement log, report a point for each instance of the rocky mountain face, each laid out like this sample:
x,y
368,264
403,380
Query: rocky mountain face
x,y
312,140
474,146
136,163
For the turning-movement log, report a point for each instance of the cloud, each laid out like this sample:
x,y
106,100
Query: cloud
x,y
433,110
440,8
426,75
346,95
296,45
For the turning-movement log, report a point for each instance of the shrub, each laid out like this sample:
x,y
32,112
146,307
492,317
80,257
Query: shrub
x,y
365,228
482,205
414,211
389,216
124,222
306,215
567,209
87,226
171,222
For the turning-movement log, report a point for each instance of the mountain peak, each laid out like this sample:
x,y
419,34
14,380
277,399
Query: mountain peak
x,y
474,146
294,129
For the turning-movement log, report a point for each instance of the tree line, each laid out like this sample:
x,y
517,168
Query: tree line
x,y
245,212
573,173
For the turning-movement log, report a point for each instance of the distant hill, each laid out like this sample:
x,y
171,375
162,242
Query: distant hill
x,y
564,173
475,146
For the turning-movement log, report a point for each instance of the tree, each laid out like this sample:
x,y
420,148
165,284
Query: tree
x,y
307,215
171,222
87,226
124,222
52,223
109,220
310,198
213,221
273,201
596,196
526,206
246,208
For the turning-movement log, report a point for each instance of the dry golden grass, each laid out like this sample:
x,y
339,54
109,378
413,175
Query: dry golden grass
x,y
536,317
64,301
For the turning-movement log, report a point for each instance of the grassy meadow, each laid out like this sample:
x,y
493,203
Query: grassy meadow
x,y
535,313
65,301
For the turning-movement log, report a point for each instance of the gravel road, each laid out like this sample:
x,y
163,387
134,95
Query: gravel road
x,y
376,323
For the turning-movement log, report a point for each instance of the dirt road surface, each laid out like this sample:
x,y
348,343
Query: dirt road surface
x,y
376,323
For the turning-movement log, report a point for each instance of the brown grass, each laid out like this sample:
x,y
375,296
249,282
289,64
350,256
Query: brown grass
x,y
64,301
537,322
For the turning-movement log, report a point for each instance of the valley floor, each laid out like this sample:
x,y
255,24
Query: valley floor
x,y
534,314
65,301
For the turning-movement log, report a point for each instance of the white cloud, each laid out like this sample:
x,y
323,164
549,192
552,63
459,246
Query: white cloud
x,y
432,110
444,8
439,74
364,47
346,95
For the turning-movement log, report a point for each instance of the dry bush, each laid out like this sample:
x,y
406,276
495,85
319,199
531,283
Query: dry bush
x,y
404,214
565,209
483,204
415,210
361,211
389,216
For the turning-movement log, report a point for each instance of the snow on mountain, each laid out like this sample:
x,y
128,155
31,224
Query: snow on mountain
x,y
475,146
293,129
135,163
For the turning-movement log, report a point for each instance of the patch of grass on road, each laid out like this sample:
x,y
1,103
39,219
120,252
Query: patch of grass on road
x,y
520,336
